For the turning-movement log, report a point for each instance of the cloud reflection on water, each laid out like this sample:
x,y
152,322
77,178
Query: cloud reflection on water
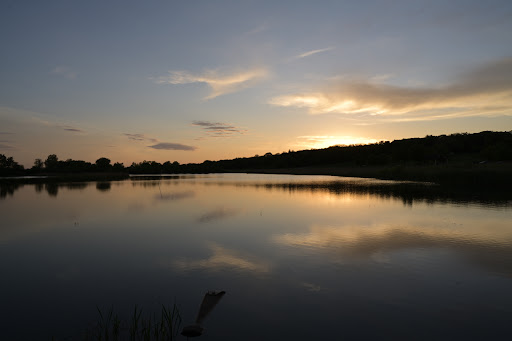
x,y
349,243
221,259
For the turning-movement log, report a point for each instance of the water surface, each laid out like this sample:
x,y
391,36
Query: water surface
x,y
300,257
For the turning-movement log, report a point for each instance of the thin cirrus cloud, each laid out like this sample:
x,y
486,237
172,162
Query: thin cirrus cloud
x,y
71,129
219,83
312,52
140,137
157,144
64,71
5,146
218,129
172,146
48,123
258,29
485,91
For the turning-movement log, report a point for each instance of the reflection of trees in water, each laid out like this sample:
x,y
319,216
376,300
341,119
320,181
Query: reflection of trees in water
x,y
136,178
407,192
74,185
103,186
39,187
52,188
8,189
146,183
154,181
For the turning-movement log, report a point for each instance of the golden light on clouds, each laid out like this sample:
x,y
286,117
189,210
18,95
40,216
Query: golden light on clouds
x,y
319,103
221,83
485,91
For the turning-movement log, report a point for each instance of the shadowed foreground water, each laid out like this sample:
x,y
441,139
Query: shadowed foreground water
x,y
300,257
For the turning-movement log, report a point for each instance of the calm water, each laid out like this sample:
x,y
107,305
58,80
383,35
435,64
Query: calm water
x,y
300,257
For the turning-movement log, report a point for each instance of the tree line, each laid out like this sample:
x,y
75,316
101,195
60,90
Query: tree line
x,y
486,146
52,164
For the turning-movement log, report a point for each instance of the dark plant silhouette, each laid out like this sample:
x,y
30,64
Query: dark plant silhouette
x,y
9,167
103,164
210,300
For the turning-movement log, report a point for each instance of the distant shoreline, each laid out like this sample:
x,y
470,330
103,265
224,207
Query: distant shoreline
x,y
63,177
480,160
495,176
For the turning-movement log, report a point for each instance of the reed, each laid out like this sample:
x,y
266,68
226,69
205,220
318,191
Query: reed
x,y
164,326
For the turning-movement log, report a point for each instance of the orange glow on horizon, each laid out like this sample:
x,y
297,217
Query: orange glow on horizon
x,y
319,142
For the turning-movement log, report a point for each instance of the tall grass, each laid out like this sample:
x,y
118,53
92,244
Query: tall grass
x,y
164,326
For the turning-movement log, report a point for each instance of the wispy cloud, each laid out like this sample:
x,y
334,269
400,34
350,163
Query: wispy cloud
x,y
258,29
70,128
381,77
4,146
485,91
218,129
64,71
158,144
312,52
45,122
140,137
219,82
19,121
172,146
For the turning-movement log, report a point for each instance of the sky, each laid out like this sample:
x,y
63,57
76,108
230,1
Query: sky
x,y
190,81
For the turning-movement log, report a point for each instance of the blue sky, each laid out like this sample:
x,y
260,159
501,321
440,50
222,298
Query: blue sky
x,y
197,80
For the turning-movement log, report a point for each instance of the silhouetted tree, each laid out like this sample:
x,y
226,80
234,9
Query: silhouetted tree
x,y
8,166
430,150
103,164
118,167
75,166
52,162
145,167
38,165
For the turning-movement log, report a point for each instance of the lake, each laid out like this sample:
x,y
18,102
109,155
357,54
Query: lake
x,y
299,257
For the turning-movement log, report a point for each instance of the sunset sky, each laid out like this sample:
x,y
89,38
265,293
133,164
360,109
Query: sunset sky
x,y
190,81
